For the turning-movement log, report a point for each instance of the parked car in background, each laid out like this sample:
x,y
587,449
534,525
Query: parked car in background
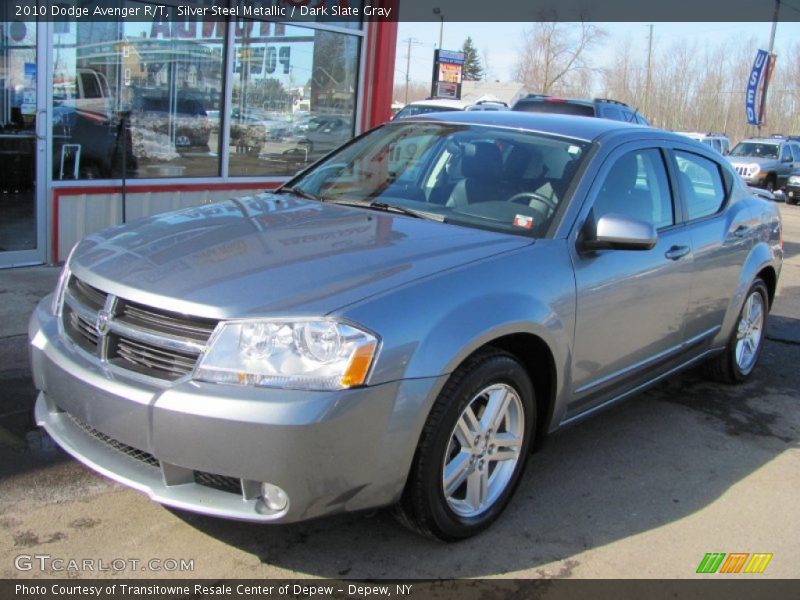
x,y
421,107
793,187
596,107
323,133
717,141
490,105
184,121
765,162
401,323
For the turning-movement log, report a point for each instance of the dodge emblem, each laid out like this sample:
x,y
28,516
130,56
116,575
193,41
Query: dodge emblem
x,y
101,322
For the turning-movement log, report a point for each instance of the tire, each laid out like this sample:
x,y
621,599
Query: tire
x,y
482,477
737,362
770,183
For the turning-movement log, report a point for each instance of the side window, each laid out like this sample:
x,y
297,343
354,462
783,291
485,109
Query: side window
x,y
795,152
701,183
612,112
91,89
637,186
786,153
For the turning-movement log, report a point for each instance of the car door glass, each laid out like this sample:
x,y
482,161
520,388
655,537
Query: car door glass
x,y
795,150
612,112
786,154
637,186
701,184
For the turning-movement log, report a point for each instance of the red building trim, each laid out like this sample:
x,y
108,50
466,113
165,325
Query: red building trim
x,y
381,49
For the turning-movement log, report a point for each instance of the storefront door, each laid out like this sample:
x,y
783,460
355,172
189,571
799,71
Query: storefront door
x,y
23,131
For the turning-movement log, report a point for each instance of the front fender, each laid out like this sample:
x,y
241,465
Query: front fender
x,y
429,327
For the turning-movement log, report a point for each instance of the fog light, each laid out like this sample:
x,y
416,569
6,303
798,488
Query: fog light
x,y
274,497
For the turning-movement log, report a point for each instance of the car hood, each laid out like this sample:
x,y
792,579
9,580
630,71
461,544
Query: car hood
x,y
274,254
749,160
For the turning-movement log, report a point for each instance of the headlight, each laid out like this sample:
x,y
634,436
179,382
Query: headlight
x,y
794,179
315,354
753,169
61,286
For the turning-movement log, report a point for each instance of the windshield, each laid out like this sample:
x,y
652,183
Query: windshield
x,y
484,177
412,110
556,107
755,149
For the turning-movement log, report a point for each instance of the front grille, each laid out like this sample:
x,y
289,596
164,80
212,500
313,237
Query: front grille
x,y
154,342
81,330
129,451
232,485
741,170
143,357
145,317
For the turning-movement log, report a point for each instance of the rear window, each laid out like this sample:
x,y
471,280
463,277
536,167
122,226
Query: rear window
x,y
555,107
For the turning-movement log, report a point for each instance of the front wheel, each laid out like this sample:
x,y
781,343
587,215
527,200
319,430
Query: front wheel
x,y
741,354
472,450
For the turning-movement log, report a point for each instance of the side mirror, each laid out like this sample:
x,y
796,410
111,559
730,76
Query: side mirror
x,y
617,232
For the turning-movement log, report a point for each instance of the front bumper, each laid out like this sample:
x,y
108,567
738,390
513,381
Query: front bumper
x,y
207,448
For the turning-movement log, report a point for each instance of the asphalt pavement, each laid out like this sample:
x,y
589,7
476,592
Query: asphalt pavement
x,y
643,490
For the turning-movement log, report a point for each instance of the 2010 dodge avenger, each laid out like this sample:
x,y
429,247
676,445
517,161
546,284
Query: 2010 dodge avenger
x,y
404,321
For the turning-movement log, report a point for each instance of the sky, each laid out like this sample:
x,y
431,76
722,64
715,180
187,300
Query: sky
x,y
500,41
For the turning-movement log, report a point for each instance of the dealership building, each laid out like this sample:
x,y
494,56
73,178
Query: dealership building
x,y
103,122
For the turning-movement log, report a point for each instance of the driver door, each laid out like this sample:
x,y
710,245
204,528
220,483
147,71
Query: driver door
x,y
631,304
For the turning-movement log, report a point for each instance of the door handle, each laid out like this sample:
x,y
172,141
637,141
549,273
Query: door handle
x,y
41,124
741,231
677,252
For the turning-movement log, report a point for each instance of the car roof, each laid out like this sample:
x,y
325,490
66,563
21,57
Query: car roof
x,y
439,102
585,128
766,140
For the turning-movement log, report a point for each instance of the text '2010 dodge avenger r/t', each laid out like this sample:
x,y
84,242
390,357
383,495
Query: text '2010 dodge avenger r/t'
x,y
404,321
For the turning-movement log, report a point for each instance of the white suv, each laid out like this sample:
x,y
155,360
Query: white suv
x,y
717,141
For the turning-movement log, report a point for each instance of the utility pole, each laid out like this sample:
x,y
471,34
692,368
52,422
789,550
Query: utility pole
x,y
410,41
768,66
438,12
649,64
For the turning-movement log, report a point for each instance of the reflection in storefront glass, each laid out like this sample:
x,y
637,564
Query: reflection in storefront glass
x,y
294,93
134,97
146,98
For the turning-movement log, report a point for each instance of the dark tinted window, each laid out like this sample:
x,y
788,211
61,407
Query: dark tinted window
x,y
637,186
795,152
701,184
555,106
91,89
786,154
612,112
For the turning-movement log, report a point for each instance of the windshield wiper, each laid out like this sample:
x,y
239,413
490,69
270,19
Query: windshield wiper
x,y
299,192
419,214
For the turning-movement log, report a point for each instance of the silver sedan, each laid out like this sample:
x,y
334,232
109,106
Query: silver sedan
x,y
404,322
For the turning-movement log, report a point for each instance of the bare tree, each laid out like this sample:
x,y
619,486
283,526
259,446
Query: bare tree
x,y
554,56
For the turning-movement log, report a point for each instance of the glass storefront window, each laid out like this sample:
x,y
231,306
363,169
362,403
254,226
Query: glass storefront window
x,y
294,96
146,98
138,97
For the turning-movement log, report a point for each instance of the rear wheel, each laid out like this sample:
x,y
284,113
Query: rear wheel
x,y
472,450
736,364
